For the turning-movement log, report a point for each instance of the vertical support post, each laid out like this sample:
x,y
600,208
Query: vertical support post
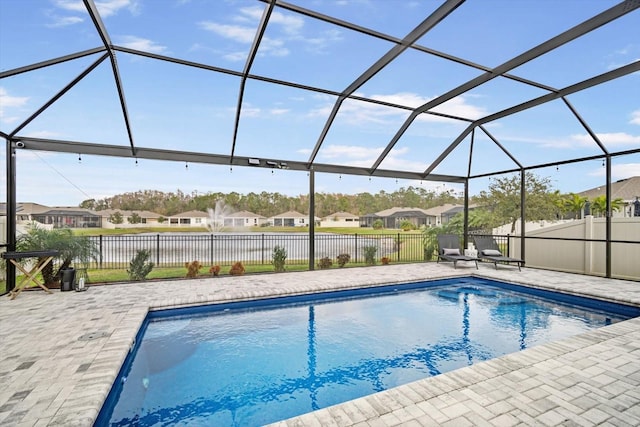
x,y
465,238
312,222
523,210
355,247
101,249
608,219
11,212
158,249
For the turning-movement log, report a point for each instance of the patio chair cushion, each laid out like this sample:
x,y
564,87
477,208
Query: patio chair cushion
x,y
451,251
491,252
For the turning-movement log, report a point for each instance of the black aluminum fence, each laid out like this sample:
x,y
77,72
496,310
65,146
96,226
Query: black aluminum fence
x,y
174,250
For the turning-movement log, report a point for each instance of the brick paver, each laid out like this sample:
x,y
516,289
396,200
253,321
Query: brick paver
x,y
61,352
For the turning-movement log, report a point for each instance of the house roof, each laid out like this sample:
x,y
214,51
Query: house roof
x,y
397,210
625,189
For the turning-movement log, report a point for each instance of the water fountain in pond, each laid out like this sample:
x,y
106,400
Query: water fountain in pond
x,y
217,216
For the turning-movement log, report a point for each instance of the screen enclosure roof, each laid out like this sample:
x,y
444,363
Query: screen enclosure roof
x,y
434,90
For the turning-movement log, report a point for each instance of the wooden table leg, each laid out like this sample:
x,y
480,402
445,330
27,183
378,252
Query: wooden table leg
x,y
30,277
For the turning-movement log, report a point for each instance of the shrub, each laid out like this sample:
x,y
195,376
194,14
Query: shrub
x,y
279,257
343,259
237,269
193,268
407,225
370,254
385,260
325,263
214,270
378,224
140,267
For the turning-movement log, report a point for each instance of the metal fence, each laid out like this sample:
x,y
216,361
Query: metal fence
x,y
174,250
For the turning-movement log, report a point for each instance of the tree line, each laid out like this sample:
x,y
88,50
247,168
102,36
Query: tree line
x,y
497,205
270,204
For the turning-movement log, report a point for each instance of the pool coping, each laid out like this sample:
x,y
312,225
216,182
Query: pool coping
x,y
53,377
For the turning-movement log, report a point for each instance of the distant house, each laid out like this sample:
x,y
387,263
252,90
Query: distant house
x,y
444,213
340,219
189,219
243,219
626,189
129,218
57,217
290,219
392,218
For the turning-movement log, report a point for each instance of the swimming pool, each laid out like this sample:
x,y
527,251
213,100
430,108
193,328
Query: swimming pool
x,y
257,362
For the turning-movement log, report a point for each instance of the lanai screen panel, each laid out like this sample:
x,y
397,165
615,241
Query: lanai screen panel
x,y
187,77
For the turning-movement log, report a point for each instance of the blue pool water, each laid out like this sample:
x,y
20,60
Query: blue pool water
x,y
249,364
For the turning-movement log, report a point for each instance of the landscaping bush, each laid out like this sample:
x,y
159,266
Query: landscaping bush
x,y
237,269
214,270
370,254
140,266
325,263
279,258
193,268
343,259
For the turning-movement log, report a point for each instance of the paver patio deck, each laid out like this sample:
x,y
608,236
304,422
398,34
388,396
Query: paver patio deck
x,y
60,354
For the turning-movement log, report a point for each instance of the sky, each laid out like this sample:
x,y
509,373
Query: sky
x,y
185,108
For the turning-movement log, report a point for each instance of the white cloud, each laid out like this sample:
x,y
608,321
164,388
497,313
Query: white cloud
x,y
139,43
64,21
618,171
364,113
106,8
111,7
279,111
635,118
615,139
358,156
282,30
7,102
234,32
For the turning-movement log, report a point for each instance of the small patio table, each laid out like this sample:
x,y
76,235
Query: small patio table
x,y
29,276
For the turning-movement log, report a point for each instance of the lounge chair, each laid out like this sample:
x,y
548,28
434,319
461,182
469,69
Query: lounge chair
x,y
449,250
488,250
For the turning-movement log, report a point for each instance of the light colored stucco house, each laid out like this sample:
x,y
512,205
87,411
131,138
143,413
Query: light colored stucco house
x,y
244,219
340,219
189,219
291,219
145,218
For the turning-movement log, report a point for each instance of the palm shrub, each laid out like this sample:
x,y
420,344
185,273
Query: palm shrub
x,y
140,266
370,254
71,249
430,241
278,259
